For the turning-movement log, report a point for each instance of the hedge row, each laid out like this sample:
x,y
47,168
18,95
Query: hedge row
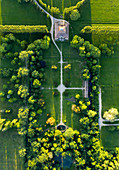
x,y
23,28
55,10
102,34
100,29
77,6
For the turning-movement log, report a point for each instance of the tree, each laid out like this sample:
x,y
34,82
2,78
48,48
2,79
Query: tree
x,y
35,74
23,113
69,133
23,44
23,91
55,10
36,83
42,158
77,41
23,55
75,15
31,100
10,92
22,152
45,42
50,121
13,78
111,114
91,113
23,72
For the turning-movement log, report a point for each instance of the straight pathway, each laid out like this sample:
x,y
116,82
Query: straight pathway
x,y
61,88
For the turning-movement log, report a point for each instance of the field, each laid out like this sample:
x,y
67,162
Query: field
x,y
93,12
71,78
109,81
14,13
71,118
104,12
61,5
109,138
9,146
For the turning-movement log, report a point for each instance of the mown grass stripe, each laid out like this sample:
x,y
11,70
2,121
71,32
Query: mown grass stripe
x,y
15,160
52,6
0,13
72,119
6,156
62,5
0,20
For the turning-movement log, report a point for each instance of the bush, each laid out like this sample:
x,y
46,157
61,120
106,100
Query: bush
x,y
75,15
105,50
111,128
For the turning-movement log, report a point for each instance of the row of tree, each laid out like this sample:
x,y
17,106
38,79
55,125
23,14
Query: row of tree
x,y
96,157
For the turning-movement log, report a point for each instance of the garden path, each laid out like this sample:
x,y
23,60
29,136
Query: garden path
x,y
61,88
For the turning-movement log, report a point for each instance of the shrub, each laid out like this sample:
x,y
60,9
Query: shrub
x,y
111,114
23,28
75,15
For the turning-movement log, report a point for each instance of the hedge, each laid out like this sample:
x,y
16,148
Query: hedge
x,y
77,6
23,28
100,29
102,34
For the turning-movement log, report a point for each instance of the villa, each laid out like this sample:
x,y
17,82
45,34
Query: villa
x,y
61,31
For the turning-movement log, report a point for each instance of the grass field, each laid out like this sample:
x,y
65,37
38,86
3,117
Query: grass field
x,y
61,4
73,76
14,13
52,106
72,119
9,146
52,77
0,13
106,11
84,20
109,139
109,81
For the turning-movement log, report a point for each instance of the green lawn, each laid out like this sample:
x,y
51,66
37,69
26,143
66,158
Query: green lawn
x,y
51,76
84,20
52,80
14,13
0,14
72,119
61,4
9,146
104,11
109,81
52,106
72,78
110,98
109,70
109,139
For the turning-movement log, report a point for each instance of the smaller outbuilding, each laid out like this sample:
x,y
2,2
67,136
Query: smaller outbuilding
x,y
61,30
